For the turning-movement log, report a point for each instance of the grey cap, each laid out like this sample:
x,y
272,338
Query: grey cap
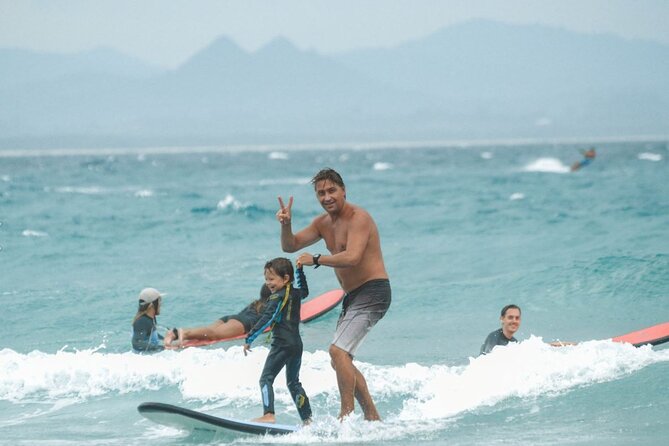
x,y
148,295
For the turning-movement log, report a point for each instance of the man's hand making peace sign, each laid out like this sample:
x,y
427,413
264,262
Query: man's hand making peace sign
x,y
283,214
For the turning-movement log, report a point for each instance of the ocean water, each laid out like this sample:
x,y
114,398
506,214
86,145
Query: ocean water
x,y
465,230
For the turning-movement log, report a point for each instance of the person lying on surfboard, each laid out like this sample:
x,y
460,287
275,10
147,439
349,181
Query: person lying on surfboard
x,y
145,336
282,315
226,327
510,320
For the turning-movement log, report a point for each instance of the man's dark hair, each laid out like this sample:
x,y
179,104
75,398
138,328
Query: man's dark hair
x,y
328,174
508,307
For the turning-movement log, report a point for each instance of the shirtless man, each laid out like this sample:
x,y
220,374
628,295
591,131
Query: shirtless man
x,y
352,238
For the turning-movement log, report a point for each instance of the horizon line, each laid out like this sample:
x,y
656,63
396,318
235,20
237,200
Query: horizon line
x,y
379,145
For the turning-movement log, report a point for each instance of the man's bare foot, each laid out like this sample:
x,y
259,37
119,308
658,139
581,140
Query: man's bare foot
x,y
267,418
342,416
306,422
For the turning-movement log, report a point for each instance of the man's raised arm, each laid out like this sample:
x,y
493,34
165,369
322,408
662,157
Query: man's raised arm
x,y
292,242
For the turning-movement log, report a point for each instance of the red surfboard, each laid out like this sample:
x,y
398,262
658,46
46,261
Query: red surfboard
x,y
310,310
655,335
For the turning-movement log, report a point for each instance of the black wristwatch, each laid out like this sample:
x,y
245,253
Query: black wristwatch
x,y
315,260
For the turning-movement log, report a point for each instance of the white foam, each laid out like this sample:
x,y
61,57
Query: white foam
x,y
277,156
33,233
517,196
6,178
230,202
382,166
86,190
486,155
648,156
82,374
144,193
528,369
550,165
428,396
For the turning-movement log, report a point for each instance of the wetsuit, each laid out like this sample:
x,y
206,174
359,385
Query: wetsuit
x,y
248,317
145,337
494,339
286,347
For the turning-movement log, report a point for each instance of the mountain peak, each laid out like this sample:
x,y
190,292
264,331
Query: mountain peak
x,y
221,50
279,45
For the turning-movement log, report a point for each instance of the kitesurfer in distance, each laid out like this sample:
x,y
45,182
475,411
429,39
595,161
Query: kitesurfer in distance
x,y
588,157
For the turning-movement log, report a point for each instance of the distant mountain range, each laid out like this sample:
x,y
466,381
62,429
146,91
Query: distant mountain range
x,y
478,80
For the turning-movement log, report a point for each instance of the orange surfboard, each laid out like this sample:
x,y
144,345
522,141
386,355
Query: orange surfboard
x,y
310,310
655,335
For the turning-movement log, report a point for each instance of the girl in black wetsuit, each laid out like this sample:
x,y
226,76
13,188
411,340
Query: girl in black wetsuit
x,y
282,315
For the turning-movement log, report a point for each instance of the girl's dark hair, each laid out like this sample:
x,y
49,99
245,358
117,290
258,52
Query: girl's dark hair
x,y
259,303
281,267
328,174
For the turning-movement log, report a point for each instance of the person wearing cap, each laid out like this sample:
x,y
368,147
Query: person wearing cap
x,y
145,337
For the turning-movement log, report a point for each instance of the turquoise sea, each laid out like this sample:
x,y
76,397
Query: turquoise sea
x,y
465,229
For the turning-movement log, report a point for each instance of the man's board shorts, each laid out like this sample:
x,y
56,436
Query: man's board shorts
x,y
362,309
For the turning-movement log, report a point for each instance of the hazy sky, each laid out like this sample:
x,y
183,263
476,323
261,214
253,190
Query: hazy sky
x,y
167,32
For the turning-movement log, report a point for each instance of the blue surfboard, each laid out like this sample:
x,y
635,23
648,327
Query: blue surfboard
x,y
194,421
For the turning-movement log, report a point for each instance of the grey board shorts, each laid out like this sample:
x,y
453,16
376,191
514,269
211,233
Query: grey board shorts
x,y
361,310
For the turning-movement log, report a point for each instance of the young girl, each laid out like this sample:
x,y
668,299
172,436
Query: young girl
x,y
282,314
145,337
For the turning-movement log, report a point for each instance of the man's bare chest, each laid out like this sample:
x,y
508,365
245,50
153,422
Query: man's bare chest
x,y
335,239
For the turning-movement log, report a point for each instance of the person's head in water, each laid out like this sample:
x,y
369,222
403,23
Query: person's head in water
x,y
279,272
330,190
510,319
150,300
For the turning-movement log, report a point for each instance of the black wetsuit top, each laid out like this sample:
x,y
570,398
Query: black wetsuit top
x,y
286,331
495,338
145,337
248,317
